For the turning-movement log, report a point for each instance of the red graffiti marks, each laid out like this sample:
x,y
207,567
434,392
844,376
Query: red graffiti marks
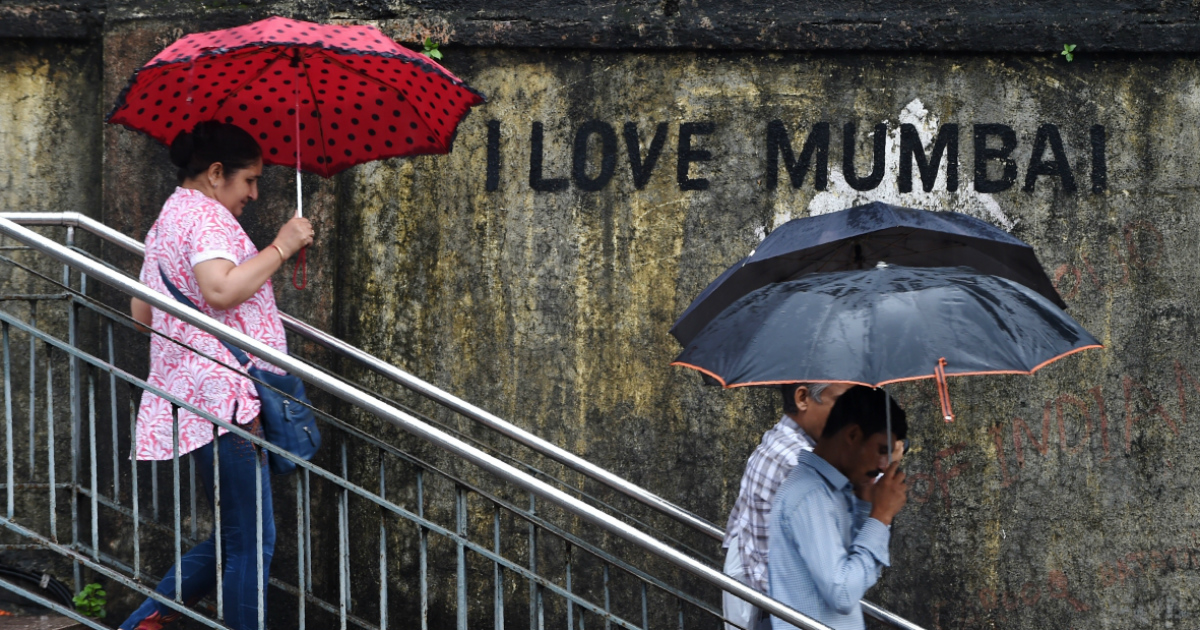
x,y
1060,409
1057,589
996,606
1139,247
1138,563
1180,374
1043,446
1077,419
1030,594
940,479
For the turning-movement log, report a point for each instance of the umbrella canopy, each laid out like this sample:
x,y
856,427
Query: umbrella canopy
x,y
884,325
858,238
335,95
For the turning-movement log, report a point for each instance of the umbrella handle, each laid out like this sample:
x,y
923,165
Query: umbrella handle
x,y
887,411
302,269
939,372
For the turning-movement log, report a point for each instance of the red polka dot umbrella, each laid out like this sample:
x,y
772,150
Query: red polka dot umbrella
x,y
326,97
320,97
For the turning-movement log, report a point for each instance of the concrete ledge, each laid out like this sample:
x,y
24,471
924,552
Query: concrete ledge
x,y
80,19
970,26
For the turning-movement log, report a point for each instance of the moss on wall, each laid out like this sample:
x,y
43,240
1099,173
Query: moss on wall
x,y
552,308
1063,499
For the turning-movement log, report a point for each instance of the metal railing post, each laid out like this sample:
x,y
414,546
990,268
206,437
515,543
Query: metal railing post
x,y
133,480
607,599
423,561
194,525
535,594
498,573
8,424
175,504
301,528
260,574
93,468
570,605
217,534
460,578
112,399
32,390
383,564
343,547
50,444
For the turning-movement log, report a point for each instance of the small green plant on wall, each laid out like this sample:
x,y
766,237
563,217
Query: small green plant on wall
x,y
1068,51
430,49
90,601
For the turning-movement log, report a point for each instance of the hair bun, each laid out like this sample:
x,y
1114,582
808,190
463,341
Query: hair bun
x,y
182,148
210,141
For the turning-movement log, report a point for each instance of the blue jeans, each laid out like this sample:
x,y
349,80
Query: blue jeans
x,y
237,461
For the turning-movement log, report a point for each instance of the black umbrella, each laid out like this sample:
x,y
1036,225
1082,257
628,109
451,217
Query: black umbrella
x,y
858,238
884,325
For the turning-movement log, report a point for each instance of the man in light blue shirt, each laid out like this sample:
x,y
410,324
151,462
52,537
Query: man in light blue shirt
x,y
830,524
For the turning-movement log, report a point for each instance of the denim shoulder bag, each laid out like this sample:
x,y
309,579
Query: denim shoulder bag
x,y
287,416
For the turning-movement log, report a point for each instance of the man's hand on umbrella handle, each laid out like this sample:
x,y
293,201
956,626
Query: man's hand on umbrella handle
x,y
295,235
889,494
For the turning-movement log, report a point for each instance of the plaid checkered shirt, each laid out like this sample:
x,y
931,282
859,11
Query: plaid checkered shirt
x,y
766,469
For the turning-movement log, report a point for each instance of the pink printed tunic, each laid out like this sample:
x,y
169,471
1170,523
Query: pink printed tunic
x,y
191,229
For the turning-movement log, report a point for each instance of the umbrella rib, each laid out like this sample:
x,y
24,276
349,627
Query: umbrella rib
x,y
316,107
251,80
406,101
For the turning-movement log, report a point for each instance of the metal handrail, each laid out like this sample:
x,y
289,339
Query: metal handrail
x,y
442,397
361,399
539,445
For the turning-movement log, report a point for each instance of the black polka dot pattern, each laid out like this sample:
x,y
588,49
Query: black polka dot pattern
x,y
345,82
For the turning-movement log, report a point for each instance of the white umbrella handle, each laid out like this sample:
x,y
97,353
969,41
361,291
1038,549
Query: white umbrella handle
x,y
299,197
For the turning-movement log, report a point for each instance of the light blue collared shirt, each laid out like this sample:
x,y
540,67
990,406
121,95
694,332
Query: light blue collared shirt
x,y
824,551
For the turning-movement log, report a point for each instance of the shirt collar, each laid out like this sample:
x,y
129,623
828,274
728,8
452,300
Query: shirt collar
x,y
790,425
832,476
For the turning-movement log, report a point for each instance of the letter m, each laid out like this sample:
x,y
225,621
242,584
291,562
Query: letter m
x,y
815,146
911,147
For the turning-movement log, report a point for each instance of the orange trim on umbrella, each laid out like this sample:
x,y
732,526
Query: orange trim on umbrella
x,y
712,374
1065,354
765,383
887,382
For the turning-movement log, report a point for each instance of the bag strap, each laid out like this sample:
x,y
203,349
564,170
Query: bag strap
x,y
237,352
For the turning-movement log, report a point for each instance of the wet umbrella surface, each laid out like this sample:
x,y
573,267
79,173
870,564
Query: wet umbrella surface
x,y
860,237
338,95
881,326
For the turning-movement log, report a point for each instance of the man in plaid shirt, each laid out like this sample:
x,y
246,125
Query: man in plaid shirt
x,y
806,406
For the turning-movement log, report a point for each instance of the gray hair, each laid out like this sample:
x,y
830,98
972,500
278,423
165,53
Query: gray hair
x,y
789,394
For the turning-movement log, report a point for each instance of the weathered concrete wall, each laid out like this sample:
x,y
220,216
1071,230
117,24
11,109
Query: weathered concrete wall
x,y
1065,499
50,160
1062,500
965,26
49,140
